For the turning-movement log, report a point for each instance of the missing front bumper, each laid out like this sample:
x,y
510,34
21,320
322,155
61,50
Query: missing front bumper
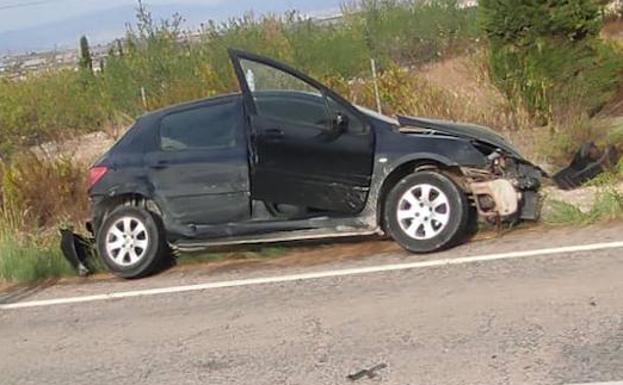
x,y
504,197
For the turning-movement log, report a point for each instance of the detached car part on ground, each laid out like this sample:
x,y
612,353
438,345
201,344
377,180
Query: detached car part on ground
x,y
587,163
289,159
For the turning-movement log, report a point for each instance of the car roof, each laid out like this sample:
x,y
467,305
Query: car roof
x,y
156,114
189,104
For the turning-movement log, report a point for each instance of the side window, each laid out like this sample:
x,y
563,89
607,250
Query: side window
x,y
198,128
280,95
297,108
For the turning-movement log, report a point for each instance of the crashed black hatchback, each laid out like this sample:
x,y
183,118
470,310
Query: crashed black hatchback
x,y
289,159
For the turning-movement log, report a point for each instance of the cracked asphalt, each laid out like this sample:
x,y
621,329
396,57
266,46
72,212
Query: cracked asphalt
x,y
555,319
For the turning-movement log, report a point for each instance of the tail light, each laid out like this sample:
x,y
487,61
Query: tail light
x,y
96,174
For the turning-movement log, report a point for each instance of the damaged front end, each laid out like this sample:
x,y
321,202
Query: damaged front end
x,y
507,188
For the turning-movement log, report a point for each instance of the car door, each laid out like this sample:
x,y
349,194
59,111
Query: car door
x,y
310,147
200,169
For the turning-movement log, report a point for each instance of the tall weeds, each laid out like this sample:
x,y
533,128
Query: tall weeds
x,y
25,255
36,197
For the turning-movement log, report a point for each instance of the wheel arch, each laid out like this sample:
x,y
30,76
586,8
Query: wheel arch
x,y
108,203
409,166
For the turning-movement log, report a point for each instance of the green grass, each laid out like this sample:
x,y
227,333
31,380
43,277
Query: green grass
x,y
608,206
563,213
28,256
27,261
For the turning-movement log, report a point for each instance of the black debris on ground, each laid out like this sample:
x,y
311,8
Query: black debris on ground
x,y
588,162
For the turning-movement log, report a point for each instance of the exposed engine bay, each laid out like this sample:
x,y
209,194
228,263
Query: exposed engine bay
x,y
507,189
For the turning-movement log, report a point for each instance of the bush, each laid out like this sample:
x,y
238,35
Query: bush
x,y
46,106
548,55
43,192
415,31
167,65
36,196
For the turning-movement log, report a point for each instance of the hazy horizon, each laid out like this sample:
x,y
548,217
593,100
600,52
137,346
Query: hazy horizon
x,y
39,25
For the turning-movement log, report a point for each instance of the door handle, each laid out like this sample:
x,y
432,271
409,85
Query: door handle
x,y
273,133
159,164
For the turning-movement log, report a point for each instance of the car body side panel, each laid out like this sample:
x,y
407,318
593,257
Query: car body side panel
x,y
195,187
462,130
204,185
395,149
203,188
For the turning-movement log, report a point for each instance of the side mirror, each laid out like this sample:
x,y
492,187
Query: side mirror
x,y
341,122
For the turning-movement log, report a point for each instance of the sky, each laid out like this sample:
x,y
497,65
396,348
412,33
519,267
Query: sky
x,y
28,24
20,14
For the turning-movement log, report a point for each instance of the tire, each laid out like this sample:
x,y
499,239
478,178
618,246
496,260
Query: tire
x,y
133,253
426,212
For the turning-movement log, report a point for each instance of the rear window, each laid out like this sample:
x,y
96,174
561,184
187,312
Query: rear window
x,y
212,126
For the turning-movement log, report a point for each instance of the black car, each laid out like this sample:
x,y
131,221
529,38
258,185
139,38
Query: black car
x,y
289,159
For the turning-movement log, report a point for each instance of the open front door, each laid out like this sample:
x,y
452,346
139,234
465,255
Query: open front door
x,y
309,147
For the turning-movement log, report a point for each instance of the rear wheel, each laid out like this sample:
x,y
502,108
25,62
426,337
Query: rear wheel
x,y
426,212
131,242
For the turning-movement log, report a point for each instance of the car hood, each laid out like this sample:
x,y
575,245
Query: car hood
x,y
462,130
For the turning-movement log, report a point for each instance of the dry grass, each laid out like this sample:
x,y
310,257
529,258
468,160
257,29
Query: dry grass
x,y
456,89
44,191
36,196
613,29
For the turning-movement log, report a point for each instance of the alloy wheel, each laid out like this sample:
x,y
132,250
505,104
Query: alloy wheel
x,y
423,211
127,241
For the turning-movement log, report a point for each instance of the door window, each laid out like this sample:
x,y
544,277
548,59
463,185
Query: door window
x,y
293,107
280,95
211,126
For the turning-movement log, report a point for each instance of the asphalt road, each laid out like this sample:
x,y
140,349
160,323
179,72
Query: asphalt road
x,y
542,319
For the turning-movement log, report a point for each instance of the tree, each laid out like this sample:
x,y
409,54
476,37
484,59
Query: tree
x,y
547,52
86,61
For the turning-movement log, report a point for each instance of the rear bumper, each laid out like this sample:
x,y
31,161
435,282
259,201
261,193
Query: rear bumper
x,y
76,250
97,210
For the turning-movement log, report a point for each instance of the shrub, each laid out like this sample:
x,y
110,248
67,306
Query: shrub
x,y
43,192
47,106
36,195
549,55
407,32
409,93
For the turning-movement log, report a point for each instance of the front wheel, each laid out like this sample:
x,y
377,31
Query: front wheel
x,y
131,243
426,212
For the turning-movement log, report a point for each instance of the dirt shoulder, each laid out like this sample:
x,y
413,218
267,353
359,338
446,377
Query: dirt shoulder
x,y
305,258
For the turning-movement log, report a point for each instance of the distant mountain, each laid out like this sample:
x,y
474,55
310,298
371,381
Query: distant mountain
x,y
104,26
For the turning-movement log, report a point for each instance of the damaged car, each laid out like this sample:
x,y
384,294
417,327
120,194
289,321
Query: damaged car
x,y
287,158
